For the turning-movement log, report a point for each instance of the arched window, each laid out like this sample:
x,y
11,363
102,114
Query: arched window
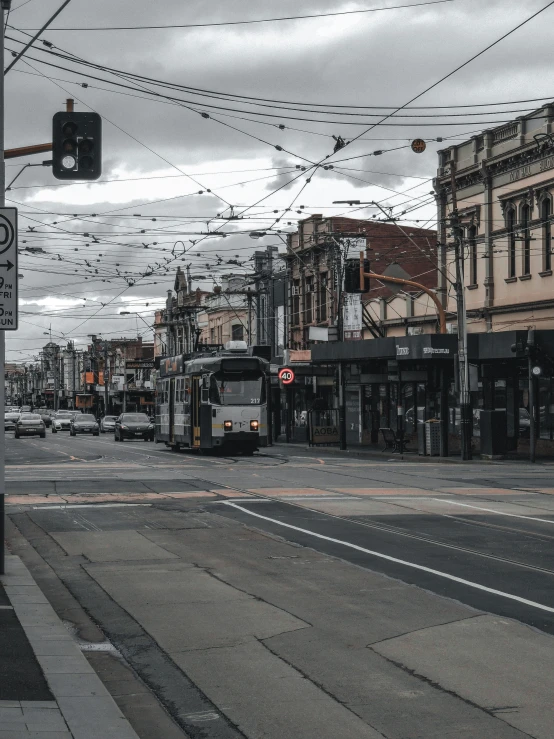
x,y
546,211
510,227
526,235
472,240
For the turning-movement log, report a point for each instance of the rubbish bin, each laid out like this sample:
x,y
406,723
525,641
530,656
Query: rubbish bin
x,y
493,427
433,437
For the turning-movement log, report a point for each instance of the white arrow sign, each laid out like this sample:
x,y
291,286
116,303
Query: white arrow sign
x,y
8,269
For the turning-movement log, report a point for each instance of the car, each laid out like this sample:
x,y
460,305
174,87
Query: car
x,y
62,421
134,426
30,424
107,424
82,423
25,409
46,417
10,418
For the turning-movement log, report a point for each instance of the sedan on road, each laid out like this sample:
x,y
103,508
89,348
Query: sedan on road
x,y
46,417
30,424
83,423
10,417
107,424
134,426
62,421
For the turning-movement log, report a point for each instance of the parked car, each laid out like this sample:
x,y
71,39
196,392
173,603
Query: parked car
x,y
30,424
82,423
9,420
134,426
25,409
62,421
107,424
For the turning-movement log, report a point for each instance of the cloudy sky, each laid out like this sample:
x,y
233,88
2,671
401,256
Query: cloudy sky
x,y
114,245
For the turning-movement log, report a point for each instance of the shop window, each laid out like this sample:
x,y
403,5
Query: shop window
x,y
526,236
546,211
510,226
472,239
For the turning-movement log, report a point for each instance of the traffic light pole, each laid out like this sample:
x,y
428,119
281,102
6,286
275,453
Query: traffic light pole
x,y
4,5
532,384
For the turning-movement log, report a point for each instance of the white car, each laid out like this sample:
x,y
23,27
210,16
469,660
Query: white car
x,y
9,420
62,421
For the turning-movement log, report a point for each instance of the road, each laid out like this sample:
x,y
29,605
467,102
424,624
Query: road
x,y
296,593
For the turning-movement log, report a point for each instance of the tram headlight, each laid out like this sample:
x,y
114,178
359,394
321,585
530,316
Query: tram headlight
x,y
228,425
254,425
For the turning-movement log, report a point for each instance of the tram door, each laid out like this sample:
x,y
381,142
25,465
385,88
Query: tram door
x,y
172,410
195,411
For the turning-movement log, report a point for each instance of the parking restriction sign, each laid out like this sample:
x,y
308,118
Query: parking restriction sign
x,y
8,269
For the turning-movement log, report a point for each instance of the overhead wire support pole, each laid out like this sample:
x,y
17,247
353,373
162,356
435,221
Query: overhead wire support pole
x,y
5,5
35,37
463,363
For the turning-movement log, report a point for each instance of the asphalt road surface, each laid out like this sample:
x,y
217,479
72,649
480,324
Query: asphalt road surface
x,y
296,593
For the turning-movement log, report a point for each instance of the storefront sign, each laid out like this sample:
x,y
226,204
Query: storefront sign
x,y
434,350
402,351
352,317
325,435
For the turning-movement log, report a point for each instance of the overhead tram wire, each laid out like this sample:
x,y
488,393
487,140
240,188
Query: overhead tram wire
x,y
252,21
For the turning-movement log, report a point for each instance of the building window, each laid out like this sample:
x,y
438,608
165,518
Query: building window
x,y
212,335
308,300
546,209
526,236
511,226
472,240
237,332
323,297
296,302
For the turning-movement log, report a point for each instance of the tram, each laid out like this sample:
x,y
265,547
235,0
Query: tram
x,y
213,400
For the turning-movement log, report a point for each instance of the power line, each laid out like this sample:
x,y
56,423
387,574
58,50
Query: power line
x,y
248,22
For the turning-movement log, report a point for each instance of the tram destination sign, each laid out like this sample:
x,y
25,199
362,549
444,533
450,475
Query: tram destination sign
x,y
8,270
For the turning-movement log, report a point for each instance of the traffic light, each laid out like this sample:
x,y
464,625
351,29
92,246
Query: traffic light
x,y
77,146
352,276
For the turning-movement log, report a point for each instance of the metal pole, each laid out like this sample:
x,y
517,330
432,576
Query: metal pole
x,y
532,409
106,375
125,385
2,333
465,399
249,299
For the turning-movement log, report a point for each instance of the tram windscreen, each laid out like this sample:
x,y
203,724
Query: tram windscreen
x,y
240,388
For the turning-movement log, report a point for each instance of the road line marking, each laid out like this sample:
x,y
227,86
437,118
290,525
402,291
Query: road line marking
x,y
91,505
497,513
380,555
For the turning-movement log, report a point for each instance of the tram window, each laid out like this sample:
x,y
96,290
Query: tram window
x,y
239,389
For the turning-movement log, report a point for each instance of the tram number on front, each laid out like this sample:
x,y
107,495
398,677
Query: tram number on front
x,y
254,401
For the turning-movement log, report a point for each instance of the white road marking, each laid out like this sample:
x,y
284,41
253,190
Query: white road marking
x,y
490,510
403,562
90,505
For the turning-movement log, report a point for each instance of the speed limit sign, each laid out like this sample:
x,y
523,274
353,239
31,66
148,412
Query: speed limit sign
x,y
286,376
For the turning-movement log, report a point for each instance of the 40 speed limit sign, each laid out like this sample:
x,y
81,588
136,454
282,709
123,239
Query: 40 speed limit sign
x,y
286,376
8,270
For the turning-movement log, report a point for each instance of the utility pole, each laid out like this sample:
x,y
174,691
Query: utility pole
x,y
5,5
532,402
106,376
340,336
249,329
463,364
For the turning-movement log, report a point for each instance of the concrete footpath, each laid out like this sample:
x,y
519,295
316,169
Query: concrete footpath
x,y
48,690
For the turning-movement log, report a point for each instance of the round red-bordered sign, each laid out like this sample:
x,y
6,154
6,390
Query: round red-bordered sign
x,y
286,376
418,146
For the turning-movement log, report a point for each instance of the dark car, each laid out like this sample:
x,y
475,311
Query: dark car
x,y
134,426
30,424
107,424
82,423
46,417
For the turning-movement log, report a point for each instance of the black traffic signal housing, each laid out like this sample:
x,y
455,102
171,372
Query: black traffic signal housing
x,y
352,276
77,146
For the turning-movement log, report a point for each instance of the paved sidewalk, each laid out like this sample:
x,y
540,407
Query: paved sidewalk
x,y
48,690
